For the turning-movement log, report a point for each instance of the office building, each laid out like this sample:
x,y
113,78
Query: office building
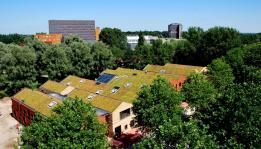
x,y
85,29
175,30
133,40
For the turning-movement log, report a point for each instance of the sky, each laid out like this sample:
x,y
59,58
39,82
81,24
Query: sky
x,y
31,16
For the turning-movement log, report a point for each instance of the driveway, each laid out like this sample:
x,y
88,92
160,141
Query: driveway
x,y
8,131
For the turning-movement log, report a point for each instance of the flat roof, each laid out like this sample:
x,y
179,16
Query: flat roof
x,y
97,101
53,86
176,69
36,100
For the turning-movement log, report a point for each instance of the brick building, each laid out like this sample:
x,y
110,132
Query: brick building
x,y
111,94
50,38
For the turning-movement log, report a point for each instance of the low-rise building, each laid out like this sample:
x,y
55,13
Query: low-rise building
x,y
50,38
133,40
111,94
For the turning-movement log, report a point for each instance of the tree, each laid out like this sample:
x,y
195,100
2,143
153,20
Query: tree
x,y
17,65
114,38
185,53
194,36
141,40
74,125
220,73
55,63
217,41
103,58
80,57
158,110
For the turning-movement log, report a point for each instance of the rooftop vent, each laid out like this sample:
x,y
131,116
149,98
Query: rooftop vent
x,y
69,83
115,89
91,96
52,104
82,80
99,92
162,71
127,85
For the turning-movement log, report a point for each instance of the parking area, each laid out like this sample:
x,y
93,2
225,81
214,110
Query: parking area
x,y
8,131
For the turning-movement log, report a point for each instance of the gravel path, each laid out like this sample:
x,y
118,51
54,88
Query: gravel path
x,y
8,131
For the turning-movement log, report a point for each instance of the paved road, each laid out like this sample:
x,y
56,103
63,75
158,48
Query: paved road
x,y
8,131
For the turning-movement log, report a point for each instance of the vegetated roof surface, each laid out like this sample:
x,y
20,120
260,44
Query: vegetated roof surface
x,y
108,95
36,100
53,86
98,101
176,69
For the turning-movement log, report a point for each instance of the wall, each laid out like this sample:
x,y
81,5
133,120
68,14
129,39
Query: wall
x,y
116,121
22,112
178,83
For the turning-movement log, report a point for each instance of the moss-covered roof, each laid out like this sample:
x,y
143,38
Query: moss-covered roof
x,y
175,69
97,101
36,100
53,86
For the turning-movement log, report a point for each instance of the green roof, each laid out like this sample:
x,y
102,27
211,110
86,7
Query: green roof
x,y
175,69
97,101
53,86
36,100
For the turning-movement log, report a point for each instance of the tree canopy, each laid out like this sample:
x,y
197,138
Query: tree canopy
x,y
74,125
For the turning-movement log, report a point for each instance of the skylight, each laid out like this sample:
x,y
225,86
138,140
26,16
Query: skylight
x,y
115,89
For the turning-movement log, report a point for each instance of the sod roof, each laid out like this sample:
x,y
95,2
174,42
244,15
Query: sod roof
x,y
36,100
97,101
175,69
53,86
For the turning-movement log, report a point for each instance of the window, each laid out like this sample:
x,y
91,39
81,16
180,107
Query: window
x,y
132,123
126,127
179,84
124,114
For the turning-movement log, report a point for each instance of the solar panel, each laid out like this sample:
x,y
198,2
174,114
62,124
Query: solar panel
x,y
105,78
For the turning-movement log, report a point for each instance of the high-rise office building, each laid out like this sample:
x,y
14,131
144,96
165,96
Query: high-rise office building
x,y
175,30
83,28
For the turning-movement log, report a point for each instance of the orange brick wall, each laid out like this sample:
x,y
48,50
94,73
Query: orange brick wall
x,y
50,38
177,84
97,33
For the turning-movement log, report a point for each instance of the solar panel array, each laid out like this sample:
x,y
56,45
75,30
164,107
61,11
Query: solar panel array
x,y
105,78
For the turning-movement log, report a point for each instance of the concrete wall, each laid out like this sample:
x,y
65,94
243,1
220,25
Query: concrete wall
x,y
116,121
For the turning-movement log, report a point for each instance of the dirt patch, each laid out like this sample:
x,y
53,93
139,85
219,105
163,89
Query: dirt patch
x,y
8,130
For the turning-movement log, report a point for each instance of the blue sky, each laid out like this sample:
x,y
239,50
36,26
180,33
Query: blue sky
x,y
31,16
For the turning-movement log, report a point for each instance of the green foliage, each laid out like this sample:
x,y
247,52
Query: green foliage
x,y
160,100
220,73
17,67
158,110
217,41
114,38
141,40
80,57
13,38
55,62
245,62
74,125
102,57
